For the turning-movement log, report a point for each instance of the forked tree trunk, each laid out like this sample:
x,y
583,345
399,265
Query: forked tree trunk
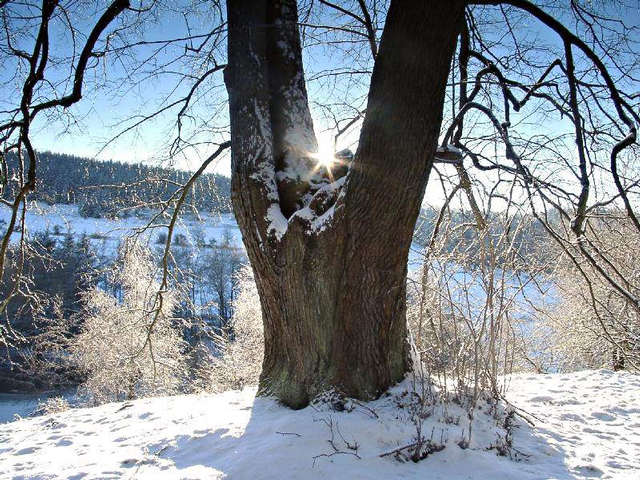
x,y
330,259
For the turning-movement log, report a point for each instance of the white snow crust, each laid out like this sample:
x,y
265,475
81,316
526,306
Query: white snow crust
x,y
588,426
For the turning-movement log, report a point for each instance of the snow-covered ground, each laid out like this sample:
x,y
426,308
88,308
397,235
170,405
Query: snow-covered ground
x,y
588,425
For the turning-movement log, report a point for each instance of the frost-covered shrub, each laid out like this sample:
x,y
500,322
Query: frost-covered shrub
x,y
465,305
52,405
129,344
240,347
465,309
572,341
594,325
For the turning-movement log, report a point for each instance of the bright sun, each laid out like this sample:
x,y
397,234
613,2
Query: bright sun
x,y
325,155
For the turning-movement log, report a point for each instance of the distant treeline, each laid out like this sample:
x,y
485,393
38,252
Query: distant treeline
x,y
110,188
526,234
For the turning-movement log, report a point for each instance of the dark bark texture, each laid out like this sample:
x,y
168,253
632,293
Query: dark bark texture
x,y
333,299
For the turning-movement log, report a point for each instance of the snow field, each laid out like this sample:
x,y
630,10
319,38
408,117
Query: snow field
x,y
588,425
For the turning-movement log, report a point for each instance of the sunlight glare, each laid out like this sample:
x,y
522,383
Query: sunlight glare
x,y
325,155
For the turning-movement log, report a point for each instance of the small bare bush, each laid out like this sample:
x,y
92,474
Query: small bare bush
x,y
469,300
468,308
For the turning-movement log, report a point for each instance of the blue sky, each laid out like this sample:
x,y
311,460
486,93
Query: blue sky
x,y
110,104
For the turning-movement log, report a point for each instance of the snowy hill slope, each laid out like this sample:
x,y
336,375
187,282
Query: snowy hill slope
x,y
589,426
106,233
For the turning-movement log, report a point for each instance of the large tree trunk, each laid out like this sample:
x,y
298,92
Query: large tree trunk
x,y
330,255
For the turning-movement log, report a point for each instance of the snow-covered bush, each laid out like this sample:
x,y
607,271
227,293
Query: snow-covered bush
x,y
240,347
594,324
129,344
465,303
466,308
52,405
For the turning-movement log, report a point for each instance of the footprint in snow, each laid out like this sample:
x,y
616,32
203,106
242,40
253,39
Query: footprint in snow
x,y
79,476
26,451
541,398
572,417
589,471
605,417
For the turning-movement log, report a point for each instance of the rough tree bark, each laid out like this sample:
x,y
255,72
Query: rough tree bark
x,y
330,254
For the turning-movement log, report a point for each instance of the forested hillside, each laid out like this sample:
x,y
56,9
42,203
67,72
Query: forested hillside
x,y
111,188
115,189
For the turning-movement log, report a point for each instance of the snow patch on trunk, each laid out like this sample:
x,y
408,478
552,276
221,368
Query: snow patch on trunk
x,y
449,154
319,221
276,222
